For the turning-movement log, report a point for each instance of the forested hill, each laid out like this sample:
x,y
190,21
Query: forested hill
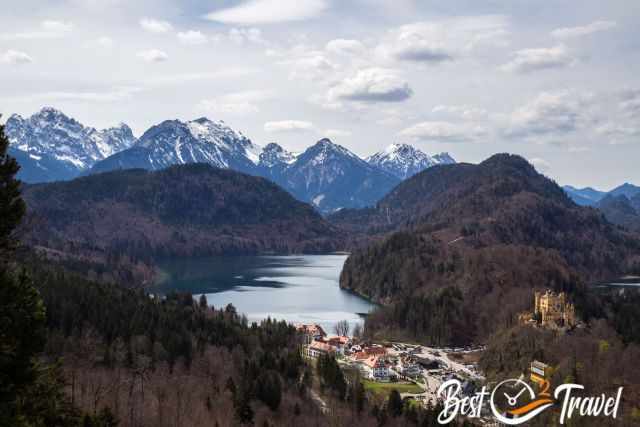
x,y
472,241
192,209
472,188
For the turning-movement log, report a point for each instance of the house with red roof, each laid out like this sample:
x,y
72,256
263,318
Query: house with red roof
x,y
311,332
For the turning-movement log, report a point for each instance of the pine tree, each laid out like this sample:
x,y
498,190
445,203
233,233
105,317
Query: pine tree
x,y
12,207
394,404
269,389
30,394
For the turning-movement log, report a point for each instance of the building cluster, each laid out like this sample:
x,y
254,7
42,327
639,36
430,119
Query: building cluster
x,y
373,361
551,311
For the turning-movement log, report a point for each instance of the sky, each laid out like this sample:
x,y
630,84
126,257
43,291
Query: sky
x,y
556,81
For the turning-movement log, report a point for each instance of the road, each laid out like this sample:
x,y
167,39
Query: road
x,y
431,381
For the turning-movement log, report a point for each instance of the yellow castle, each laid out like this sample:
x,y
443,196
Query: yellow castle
x,y
554,310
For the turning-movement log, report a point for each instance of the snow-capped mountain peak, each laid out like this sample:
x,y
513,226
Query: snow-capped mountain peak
x,y
51,133
197,141
325,150
112,140
443,158
331,177
273,155
220,134
404,160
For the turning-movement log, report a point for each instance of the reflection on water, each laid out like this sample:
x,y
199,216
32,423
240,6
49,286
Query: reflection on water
x,y
627,281
299,288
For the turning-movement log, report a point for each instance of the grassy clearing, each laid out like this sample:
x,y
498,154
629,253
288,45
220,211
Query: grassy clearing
x,y
384,389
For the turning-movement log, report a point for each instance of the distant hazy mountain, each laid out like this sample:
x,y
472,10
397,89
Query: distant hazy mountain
x,y
584,196
174,142
331,177
635,202
626,189
620,206
590,197
52,146
404,161
620,210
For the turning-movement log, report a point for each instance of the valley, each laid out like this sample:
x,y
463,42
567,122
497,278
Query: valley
x,y
445,255
319,213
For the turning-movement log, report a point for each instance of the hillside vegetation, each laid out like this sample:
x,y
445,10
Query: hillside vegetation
x,y
465,246
180,211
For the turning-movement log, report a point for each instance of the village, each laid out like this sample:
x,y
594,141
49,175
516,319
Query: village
x,y
418,371
413,370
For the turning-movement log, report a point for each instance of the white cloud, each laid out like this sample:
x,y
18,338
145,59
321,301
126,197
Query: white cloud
x,y
345,47
466,112
153,55
268,11
527,60
239,103
155,26
549,114
315,66
372,85
573,32
192,37
424,42
49,29
444,40
541,165
16,57
288,126
438,131
335,133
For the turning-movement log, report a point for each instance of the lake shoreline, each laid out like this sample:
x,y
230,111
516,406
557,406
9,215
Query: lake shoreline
x,y
294,288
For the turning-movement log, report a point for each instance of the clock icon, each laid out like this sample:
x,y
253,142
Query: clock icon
x,y
513,390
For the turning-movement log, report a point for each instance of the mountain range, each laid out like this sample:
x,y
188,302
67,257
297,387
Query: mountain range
x,y
620,206
50,146
590,197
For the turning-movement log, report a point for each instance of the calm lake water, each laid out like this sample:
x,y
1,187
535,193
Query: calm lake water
x,y
298,288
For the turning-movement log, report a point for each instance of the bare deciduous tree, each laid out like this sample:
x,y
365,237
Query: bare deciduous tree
x,y
342,328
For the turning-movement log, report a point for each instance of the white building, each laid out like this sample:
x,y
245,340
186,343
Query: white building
x,y
317,348
406,367
376,368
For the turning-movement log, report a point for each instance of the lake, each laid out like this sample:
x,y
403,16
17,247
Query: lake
x,y
627,281
296,288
